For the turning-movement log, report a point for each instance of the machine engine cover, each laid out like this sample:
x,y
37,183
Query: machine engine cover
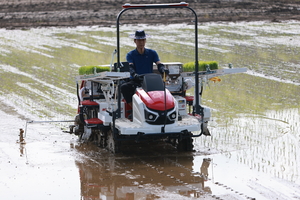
x,y
155,100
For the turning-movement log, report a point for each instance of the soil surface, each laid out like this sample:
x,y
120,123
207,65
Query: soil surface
x,y
36,13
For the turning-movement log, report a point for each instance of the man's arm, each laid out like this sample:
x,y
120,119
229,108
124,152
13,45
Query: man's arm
x,y
161,68
129,58
132,69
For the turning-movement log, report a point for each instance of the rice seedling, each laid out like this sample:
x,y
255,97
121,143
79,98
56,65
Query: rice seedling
x,y
92,69
202,66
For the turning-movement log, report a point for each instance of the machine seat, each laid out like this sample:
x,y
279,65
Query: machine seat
x,y
150,79
89,103
189,99
93,121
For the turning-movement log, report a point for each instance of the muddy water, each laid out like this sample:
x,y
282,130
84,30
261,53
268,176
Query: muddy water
x,y
253,151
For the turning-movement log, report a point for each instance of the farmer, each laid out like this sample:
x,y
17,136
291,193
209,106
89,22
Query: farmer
x,y
140,62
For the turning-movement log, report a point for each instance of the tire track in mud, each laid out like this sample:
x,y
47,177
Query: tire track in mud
x,y
158,173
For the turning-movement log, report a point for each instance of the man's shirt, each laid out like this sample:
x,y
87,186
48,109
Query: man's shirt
x,y
143,63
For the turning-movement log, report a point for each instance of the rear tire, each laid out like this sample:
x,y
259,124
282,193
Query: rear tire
x,y
79,126
102,139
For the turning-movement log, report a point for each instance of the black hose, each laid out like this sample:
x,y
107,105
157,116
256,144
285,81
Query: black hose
x,y
165,96
78,93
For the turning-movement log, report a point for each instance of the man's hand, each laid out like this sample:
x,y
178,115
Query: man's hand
x,y
165,70
162,69
136,77
131,70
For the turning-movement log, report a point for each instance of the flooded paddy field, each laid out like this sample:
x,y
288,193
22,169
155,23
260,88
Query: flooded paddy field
x,y
254,149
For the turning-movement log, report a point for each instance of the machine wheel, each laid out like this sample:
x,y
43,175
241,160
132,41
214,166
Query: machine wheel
x,y
79,126
102,139
112,145
71,127
185,144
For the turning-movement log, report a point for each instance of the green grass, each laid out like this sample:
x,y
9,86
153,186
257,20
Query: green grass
x,y
190,66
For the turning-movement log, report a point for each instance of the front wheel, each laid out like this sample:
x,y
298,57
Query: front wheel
x,y
185,144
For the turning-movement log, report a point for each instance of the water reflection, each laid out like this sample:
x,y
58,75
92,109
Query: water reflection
x,y
142,174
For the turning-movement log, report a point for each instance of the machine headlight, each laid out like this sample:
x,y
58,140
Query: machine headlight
x,y
160,117
150,116
172,116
